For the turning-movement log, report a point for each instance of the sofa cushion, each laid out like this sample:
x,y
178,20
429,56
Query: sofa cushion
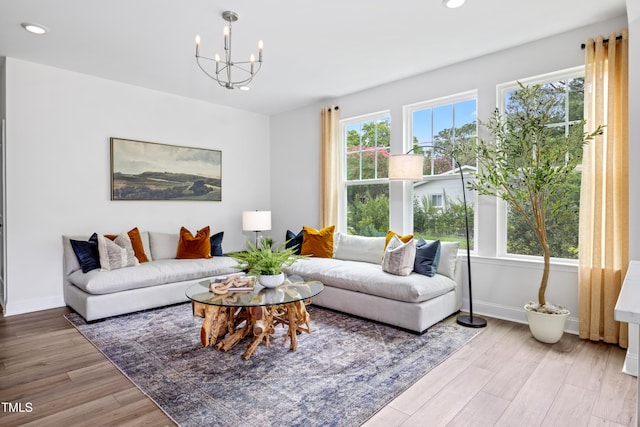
x,y
318,243
369,278
359,248
163,245
136,243
448,256
399,257
86,252
427,257
152,273
193,247
403,239
294,241
117,253
216,244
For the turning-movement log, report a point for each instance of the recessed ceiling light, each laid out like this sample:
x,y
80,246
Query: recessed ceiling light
x,y
245,88
34,28
452,4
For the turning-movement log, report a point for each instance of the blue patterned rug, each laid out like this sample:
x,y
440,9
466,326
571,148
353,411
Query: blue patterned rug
x,y
342,374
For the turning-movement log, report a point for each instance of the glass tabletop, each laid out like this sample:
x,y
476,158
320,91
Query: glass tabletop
x,y
293,289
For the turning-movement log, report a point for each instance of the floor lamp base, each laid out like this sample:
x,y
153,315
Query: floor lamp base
x,y
471,321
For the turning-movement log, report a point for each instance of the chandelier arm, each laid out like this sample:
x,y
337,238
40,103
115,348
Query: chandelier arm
x,y
211,76
205,71
205,57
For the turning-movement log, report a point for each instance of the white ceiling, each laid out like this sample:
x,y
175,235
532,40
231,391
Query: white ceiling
x,y
313,49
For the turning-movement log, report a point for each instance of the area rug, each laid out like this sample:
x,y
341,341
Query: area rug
x,y
345,371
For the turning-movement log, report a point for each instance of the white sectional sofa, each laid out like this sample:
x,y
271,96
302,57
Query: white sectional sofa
x,y
354,280
162,281
355,283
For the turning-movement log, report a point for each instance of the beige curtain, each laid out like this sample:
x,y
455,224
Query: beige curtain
x,y
330,166
604,212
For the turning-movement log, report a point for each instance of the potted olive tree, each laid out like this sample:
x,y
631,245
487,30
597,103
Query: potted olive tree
x,y
266,263
527,164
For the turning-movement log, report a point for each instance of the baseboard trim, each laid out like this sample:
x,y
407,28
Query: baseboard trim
x,y
37,304
513,314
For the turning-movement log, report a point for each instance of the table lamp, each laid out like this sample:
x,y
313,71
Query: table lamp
x,y
256,221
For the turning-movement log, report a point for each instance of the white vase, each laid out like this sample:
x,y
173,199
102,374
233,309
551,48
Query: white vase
x,y
546,328
271,280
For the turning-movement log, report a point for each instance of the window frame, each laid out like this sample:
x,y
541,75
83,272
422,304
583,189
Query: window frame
x,y
502,214
407,141
345,183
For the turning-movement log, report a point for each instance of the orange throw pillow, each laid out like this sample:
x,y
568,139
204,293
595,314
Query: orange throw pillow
x,y
403,239
136,242
193,247
318,243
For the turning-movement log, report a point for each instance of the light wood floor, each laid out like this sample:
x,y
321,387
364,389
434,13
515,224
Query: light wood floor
x,y
502,377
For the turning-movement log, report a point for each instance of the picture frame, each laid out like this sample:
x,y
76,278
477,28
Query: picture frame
x,y
152,171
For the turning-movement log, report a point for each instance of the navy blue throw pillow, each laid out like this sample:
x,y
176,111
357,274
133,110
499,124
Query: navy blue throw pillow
x,y
216,244
87,253
294,241
427,257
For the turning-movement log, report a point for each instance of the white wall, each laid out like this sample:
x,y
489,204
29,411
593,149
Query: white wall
x,y
58,169
501,286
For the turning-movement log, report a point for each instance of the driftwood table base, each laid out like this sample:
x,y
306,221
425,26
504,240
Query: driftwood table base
x,y
223,327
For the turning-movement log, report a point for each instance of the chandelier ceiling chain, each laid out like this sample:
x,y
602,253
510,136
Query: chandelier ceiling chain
x,y
225,69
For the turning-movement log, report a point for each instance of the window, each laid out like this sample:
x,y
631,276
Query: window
x,y
366,140
438,202
568,87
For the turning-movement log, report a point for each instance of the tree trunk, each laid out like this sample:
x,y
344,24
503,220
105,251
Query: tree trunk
x,y
547,267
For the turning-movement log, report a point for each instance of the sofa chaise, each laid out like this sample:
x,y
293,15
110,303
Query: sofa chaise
x,y
355,283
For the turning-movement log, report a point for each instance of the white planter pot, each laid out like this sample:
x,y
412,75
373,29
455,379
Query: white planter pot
x,y
547,328
271,281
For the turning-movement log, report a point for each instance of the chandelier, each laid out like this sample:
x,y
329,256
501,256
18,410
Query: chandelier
x,y
226,69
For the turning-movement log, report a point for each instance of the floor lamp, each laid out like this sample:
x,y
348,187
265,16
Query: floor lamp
x,y
408,167
256,221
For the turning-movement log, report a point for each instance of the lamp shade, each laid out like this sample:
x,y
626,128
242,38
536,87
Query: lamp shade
x,y
256,220
405,167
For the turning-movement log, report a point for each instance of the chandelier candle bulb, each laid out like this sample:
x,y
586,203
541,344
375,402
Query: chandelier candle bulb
x,y
260,46
197,45
252,59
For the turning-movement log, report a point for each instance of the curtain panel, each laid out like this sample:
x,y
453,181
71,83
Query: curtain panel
x,y
330,166
604,196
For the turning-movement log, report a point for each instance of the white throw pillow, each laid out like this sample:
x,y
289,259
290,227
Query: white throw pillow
x,y
116,254
359,248
163,245
399,257
448,256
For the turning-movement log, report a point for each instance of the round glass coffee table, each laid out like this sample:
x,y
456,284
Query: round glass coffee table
x,y
230,317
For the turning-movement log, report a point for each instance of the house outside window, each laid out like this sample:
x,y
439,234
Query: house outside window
x,y
516,237
438,208
366,142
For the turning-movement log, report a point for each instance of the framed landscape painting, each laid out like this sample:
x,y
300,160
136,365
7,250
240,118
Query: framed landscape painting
x,y
150,171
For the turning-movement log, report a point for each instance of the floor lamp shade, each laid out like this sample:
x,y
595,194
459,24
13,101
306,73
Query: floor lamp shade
x,y
405,167
256,220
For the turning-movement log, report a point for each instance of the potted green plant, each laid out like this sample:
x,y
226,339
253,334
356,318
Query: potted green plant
x,y
527,164
266,263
